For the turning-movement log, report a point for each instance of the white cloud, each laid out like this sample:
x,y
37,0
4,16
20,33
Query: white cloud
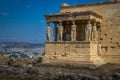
x,y
4,13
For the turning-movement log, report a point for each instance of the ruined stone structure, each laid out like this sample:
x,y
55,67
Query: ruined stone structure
x,y
85,34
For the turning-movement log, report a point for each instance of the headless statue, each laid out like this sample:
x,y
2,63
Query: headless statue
x,y
88,30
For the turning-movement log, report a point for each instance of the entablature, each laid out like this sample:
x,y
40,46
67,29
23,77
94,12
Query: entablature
x,y
86,15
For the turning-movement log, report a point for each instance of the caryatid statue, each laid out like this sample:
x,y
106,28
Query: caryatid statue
x,y
73,32
55,32
60,32
94,32
48,32
88,31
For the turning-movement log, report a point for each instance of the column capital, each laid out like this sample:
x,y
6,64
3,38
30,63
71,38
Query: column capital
x,y
95,23
73,22
89,21
60,22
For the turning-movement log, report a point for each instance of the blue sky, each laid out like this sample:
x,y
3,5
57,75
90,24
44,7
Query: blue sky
x,y
23,20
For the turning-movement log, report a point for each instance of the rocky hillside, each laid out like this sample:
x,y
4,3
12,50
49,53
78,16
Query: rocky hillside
x,y
56,73
26,69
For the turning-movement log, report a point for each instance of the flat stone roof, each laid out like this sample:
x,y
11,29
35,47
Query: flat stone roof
x,y
91,4
75,14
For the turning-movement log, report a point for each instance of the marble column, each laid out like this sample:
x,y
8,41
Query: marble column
x,y
60,30
73,31
88,31
55,31
48,32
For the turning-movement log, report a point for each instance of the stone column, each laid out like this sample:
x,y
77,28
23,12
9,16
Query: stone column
x,y
55,31
73,31
88,31
48,32
60,31
94,32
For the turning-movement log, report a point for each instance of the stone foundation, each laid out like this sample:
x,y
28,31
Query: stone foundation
x,y
72,52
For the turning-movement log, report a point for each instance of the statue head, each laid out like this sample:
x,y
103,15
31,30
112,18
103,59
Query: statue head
x,y
73,22
89,21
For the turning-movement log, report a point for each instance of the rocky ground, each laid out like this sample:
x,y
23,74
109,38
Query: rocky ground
x,y
21,69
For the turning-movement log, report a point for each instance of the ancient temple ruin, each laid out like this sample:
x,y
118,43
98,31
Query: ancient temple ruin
x,y
84,34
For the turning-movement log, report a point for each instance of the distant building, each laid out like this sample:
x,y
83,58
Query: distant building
x,y
84,34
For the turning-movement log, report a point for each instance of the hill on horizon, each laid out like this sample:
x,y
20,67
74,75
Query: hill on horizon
x,y
20,45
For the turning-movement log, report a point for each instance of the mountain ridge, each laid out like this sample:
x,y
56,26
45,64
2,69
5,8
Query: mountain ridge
x,y
21,45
